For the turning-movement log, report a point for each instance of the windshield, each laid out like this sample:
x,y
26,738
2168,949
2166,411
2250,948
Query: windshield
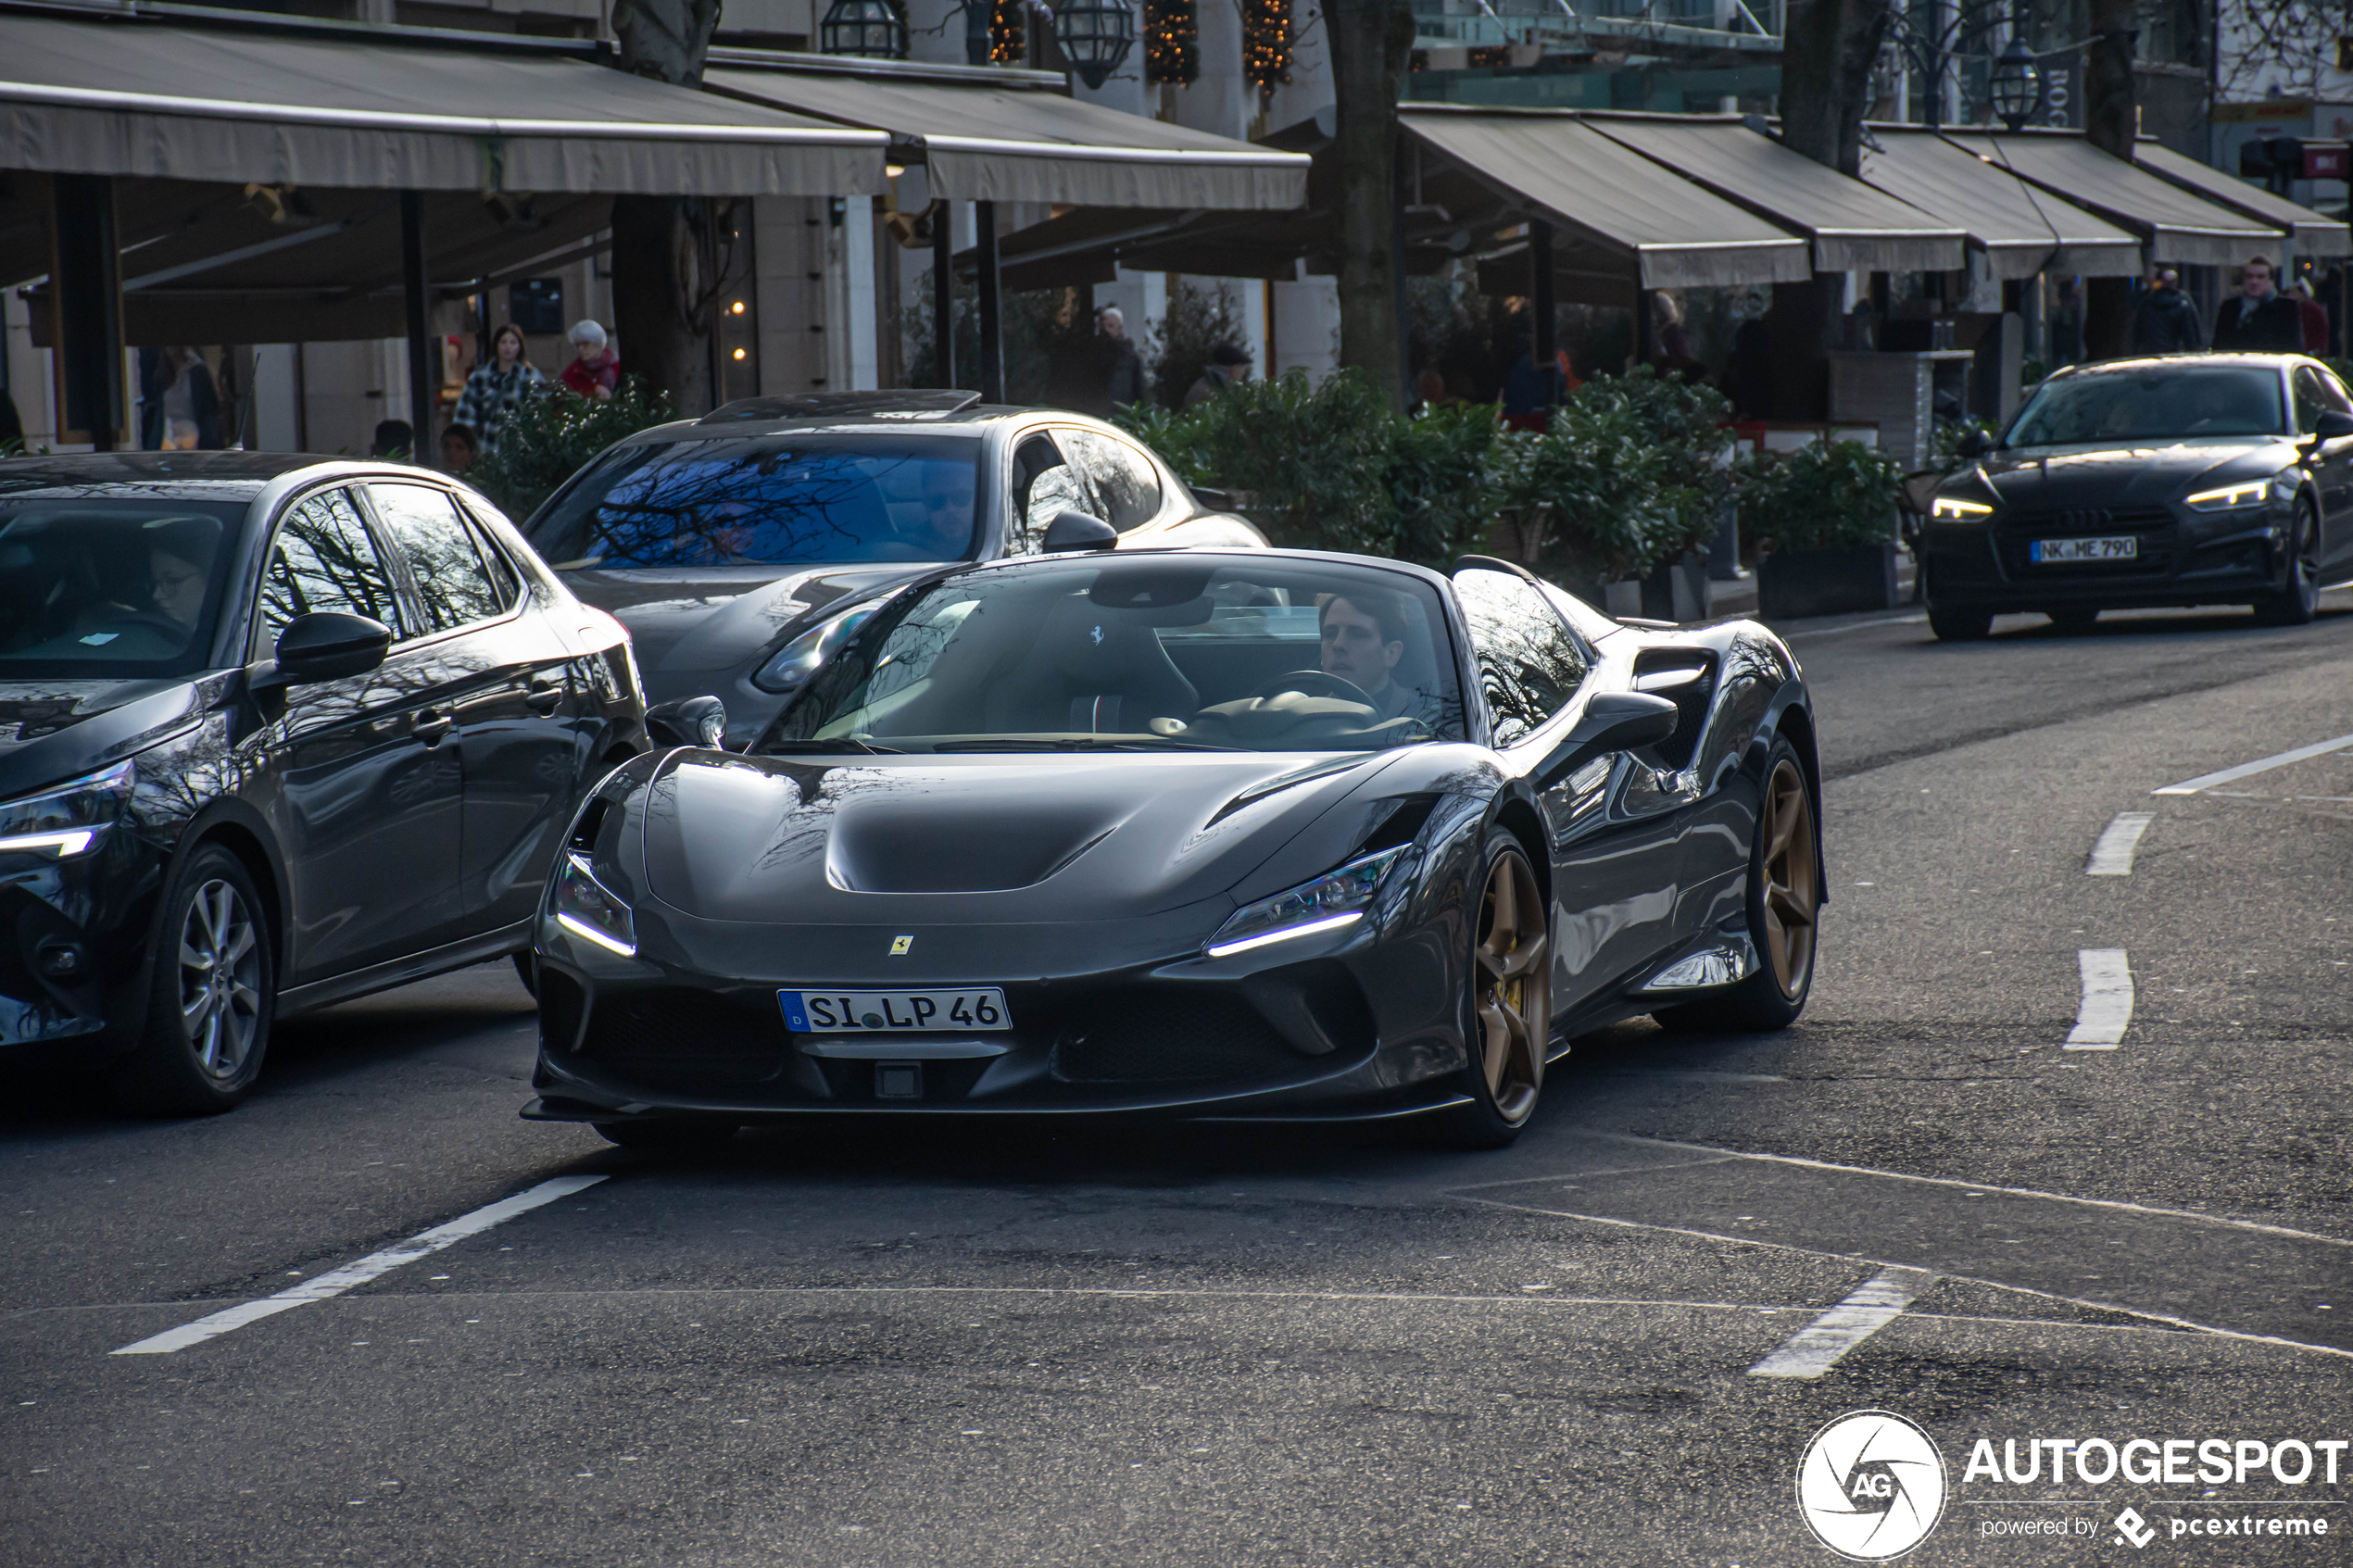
x,y
2170,402
1144,653
781,500
110,588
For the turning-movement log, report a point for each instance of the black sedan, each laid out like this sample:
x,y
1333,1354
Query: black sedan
x,y
2189,480
734,547
274,732
1206,834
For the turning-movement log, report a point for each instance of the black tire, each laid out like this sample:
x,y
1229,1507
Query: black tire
x,y
2299,601
527,970
2074,618
1955,625
1779,874
212,994
1507,1001
667,1137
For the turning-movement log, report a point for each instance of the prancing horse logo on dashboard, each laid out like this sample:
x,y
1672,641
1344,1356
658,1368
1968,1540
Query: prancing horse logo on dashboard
x,y
898,946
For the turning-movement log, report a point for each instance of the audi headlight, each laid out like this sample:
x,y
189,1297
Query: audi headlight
x,y
68,819
1951,509
590,910
1332,900
2229,497
805,655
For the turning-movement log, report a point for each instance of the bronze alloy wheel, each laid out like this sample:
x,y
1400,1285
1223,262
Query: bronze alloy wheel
x,y
1793,896
220,979
1511,991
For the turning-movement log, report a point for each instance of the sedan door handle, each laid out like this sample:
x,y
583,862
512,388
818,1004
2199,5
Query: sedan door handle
x,y
544,696
432,727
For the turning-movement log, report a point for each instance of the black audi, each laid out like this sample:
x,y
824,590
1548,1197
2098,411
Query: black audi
x,y
2187,480
1190,832
274,732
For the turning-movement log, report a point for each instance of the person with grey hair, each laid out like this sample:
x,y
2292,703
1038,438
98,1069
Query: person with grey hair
x,y
2164,321
596,371
1123,368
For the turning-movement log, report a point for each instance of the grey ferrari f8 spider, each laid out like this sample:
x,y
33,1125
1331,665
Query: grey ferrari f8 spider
x,y
1223,834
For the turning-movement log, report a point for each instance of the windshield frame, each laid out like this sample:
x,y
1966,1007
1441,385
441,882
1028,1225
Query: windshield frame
x,y
2073,376
674,437
218,630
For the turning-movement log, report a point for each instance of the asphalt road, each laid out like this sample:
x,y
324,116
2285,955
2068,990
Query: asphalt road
x,y
894,1345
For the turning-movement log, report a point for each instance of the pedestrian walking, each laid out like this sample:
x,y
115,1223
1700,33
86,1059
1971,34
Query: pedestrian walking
x,y
1123,368
394,439
1226,365
594,370
187,403
2164,321
2261,319
2315,317
495,389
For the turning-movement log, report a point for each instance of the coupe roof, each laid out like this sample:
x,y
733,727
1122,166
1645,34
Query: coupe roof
x,y
220,475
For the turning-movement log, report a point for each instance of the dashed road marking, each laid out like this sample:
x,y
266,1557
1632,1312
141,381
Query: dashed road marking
x,y
336,1280
2261,765
1816,1347
2107,1007
2112,854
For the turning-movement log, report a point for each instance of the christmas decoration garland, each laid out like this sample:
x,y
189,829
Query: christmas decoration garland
x,y
1266,42
1171,41
1008,32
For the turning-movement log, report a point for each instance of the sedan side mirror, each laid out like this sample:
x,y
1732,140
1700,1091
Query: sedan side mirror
x,y
1613,721
691,720
1076,530
2335,424
327,645
1973,444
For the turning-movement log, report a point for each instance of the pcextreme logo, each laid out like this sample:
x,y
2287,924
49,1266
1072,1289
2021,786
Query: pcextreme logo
x,y
1871,1486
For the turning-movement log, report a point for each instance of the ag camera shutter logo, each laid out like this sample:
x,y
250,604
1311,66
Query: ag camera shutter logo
x,y
1871,1486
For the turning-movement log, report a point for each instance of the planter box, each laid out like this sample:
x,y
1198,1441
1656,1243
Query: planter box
x,y
1793,583
1678,591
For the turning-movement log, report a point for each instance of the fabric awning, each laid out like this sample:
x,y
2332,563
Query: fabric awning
x,y
1668,233
2315,233
2175,225
1854,228
128,98
985,142
2020,230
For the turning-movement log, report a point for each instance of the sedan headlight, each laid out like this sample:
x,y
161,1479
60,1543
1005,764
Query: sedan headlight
x,y
1332,900
1951,509
592,912
66,821
2227,497
805,655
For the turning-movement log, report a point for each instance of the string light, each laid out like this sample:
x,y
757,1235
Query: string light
x,y
1266,43
1172,42
1008,32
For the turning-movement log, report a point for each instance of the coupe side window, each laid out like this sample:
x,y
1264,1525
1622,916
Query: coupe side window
x,y
1044,484
1529,663
444,561
1124,480
323,559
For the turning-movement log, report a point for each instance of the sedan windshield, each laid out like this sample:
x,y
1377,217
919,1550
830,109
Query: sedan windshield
x,y
778,500
2171,402
1144,653
110,586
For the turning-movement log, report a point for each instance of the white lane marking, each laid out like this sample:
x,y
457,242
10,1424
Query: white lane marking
x,y
1857,626
2112,855
1816,1347
319,1287
2262,765
2107,1007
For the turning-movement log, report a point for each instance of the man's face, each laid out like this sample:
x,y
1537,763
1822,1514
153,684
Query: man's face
x,y
177,587
948,517
2257,282
1353,649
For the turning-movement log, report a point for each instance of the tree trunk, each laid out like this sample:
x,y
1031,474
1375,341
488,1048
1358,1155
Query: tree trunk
x,y
1370,40
663,279
1828,49
2110,122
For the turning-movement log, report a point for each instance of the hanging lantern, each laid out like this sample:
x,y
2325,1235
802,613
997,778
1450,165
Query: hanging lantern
x,y
1265,43
1095,36
866,28
2016,84
1172,42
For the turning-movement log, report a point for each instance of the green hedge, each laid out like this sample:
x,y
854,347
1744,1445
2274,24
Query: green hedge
x,y
546,440
1827,495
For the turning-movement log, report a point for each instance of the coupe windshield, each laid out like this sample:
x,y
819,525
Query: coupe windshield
x,y
108,586
2170,402
1146,653
780,500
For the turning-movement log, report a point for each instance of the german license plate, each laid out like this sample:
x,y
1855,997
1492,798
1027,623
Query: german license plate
x,y
2127,547
895,1012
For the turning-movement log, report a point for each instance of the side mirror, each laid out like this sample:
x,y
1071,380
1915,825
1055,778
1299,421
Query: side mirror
x,y
2335,424
1076,530
328,646
690,721
1973,444
1613,721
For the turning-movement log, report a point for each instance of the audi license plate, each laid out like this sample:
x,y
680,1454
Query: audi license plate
x,y
2127,547
894,1012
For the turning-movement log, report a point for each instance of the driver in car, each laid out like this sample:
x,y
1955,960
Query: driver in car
x,y
1364,636
176,583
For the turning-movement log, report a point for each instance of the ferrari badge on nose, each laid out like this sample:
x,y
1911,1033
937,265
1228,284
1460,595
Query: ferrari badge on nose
x,y
898,946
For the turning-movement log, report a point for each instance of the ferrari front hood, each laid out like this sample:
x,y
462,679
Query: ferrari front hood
x,y
991,838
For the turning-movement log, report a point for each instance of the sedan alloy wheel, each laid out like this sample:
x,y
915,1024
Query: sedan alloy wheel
x,y
220,980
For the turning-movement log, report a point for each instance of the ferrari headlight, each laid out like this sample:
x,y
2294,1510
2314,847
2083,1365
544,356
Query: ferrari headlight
x,y
1951,509
590,910
1332,900
2247,492
805,655
66,821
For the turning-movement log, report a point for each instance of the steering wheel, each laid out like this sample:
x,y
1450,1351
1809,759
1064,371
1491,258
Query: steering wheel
x,y
1315,682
